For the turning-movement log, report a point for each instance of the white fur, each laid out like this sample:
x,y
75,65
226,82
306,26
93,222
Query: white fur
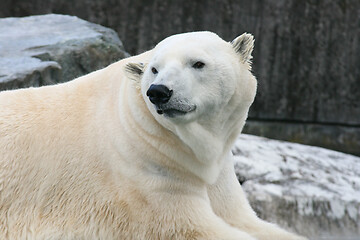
x,y
92,158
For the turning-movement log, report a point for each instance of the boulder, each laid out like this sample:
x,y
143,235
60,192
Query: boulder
x,y
309,190
48,49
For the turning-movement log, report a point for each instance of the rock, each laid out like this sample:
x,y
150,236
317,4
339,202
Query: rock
x,y
48,49
310,190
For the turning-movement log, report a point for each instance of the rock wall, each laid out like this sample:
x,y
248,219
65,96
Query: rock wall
x,y
306,57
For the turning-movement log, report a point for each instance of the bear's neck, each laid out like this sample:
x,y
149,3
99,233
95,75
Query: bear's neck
x,y
190,149
210,143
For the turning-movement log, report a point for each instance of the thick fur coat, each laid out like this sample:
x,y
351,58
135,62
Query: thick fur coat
x,y
96,158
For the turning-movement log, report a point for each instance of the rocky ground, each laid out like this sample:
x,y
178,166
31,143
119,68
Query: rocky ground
x,y
310,190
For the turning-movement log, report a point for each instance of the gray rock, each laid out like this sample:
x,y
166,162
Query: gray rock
x,y
48,49
310,190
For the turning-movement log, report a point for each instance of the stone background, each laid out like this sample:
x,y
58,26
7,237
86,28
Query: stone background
x,y
306,57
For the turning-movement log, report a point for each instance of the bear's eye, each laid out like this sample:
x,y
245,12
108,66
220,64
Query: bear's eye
x,y
154,70
198,65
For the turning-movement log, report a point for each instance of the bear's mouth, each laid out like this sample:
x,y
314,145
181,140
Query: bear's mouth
x,y
172,112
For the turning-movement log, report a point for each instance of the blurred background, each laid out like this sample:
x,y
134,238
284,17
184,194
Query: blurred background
x,y
306,57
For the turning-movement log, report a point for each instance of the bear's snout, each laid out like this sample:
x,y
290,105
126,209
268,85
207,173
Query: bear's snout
x,y
159,94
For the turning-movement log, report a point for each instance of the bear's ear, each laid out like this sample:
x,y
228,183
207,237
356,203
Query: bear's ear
x,y
244,45
134,70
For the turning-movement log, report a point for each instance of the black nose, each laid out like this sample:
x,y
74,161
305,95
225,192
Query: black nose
x,y
159,94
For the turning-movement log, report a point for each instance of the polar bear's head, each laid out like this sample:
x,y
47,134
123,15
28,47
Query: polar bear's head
x,y
200,87
192,76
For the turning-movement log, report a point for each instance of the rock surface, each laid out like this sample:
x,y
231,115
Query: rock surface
x,y
310,190
48,49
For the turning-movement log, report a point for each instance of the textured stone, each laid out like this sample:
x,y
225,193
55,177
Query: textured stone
x,y
48,49
310,190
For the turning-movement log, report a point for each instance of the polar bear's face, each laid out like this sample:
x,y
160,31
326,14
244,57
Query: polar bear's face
x,y
191,76
188,77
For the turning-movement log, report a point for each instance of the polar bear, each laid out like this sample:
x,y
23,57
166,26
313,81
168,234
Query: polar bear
x,y
138,150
